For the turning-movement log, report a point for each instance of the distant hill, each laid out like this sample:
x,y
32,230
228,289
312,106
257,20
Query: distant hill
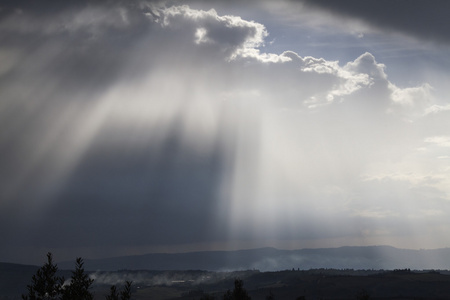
x,y
271,259
13,276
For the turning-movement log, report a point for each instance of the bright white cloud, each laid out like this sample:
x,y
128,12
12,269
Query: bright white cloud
x,y
411,102
233,35
441,141
437,108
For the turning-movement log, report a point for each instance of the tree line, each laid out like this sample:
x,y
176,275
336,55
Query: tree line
x,y
47,285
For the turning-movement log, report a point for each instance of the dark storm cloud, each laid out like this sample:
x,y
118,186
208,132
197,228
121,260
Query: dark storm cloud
x,y
427,20
121,191
53,52
81,44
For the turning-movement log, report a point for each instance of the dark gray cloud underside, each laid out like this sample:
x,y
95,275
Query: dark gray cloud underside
x,y
422,19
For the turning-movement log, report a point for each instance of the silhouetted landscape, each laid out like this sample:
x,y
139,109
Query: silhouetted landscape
x,y
169,149
203,275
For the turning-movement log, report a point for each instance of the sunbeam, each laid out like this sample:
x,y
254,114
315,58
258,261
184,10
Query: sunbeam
x,y
182,126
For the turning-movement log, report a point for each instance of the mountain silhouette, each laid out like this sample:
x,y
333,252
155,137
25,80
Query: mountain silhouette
x,y
271,259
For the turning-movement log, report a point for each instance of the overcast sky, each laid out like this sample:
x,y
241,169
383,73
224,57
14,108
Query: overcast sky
x,y
129,127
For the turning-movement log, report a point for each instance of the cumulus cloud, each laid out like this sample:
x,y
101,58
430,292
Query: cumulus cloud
x,y
437,108
442,141
414,101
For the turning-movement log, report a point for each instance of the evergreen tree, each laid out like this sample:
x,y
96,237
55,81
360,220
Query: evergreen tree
x,y
113,294
239,293
45,284
78,289
125,293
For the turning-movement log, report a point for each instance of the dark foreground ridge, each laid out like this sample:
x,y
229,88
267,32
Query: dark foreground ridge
x,y
288,284
377,272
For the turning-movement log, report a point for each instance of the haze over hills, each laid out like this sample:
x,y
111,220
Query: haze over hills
x,y
271,259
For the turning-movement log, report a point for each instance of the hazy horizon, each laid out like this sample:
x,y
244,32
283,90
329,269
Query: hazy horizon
x,y
130,127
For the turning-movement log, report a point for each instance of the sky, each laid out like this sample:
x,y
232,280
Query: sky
x,y
130,127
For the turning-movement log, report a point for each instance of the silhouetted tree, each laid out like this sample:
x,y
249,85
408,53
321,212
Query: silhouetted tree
x,y
45,284
125,293
207,297
79,284
239,293
113,294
